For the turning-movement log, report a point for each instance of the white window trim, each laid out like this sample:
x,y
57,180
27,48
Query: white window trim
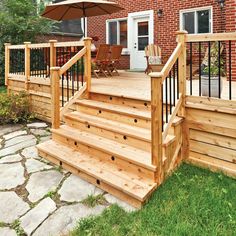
x,y
195,11
125,51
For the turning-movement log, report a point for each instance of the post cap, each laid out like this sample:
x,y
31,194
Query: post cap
x,y
179,32
55,68
53,41
7,44
27,42
156,75
87,39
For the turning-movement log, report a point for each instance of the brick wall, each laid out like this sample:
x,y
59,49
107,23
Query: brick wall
x,y
164,27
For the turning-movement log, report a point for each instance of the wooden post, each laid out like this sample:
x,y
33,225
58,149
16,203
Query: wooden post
x,y
156,125
7,62
27,65
55,96
88,63
181,38
53,56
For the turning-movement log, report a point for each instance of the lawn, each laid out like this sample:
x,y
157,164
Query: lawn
x,y
3,89
192,202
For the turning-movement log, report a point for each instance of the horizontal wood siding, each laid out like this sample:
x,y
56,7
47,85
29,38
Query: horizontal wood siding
x,y
212,134
40,95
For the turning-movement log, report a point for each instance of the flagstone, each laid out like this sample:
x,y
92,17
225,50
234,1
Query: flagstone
x,y
30,152
14,134
35,166
76,189
15,148
9,128
11,207
11,159
18,139
41,183
11,175
65,219
33,218
7,232
37,125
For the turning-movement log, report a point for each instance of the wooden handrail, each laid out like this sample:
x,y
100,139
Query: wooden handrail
x,y
171,61
17,46
211,37
73,60
40,45
70,44
169,64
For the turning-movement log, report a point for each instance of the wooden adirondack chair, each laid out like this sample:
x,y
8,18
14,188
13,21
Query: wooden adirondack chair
x,y
115,56
101,62
153,56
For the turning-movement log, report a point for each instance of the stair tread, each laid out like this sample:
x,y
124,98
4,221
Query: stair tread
x,y
132,154
99,169
117,108
119,127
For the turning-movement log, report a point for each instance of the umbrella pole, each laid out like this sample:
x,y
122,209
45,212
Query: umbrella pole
x,y
84,26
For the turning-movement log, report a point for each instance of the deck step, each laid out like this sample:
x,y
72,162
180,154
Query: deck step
x,y
121,132
99,172
113,148
126,114
121,100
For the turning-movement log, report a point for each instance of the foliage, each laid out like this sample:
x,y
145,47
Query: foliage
x,y
20,21
192,202
14,108
216,66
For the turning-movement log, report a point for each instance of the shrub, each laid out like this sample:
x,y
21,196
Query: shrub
x,y
15,108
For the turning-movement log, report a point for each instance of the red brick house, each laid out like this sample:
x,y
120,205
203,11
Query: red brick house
x,y
156,21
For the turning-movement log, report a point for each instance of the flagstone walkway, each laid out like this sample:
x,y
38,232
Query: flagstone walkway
x,y
36,197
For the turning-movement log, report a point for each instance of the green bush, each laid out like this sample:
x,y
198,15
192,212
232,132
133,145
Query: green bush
x,y
15,108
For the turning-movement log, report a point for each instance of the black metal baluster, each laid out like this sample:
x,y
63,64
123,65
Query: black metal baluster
x,y
219,68
77,74
72,80
62,89
174,95
68,85
170,92
200,67
166,87
209,67
230,72
162,108
177,78
191,68
82,71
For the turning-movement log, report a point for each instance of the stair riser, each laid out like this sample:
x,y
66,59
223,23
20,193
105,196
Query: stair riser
x,y
119,137
147,175
144,105
109,114
97,182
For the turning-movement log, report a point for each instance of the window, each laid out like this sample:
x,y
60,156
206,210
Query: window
x,y
117,32
196,21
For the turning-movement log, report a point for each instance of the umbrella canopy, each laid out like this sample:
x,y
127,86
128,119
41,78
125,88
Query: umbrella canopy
x,y
74,9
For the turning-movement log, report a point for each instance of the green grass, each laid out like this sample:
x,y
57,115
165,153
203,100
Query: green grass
x,y
92,201
3,89
192,202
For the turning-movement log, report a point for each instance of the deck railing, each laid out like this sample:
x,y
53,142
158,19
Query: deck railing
x,y
214,54
70,77
35,60
167,100
211,65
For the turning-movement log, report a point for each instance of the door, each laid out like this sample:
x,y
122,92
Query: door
x,y
141,39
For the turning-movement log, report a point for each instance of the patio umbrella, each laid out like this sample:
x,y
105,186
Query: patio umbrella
x,y
74,9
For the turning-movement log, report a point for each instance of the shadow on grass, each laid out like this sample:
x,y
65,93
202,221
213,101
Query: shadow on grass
x,y
192,201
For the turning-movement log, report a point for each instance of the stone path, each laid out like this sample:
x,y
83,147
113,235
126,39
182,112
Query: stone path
x,y
36,197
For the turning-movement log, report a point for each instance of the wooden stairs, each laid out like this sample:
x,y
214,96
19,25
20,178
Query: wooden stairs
x,y
107,141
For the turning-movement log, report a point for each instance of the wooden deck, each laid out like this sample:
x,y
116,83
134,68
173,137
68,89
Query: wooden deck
x,y
137,85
